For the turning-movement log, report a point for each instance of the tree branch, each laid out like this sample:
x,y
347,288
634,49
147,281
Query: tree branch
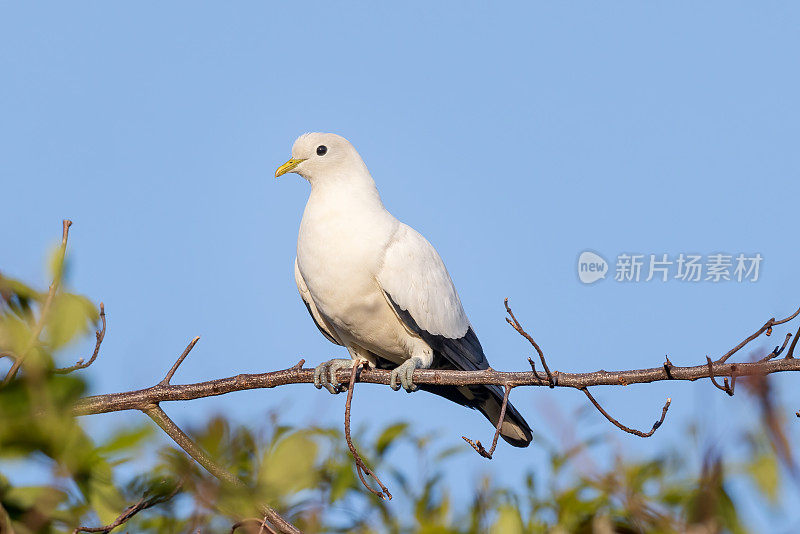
x,y
726,388
518,327
143,504
184,354
623,427
187,444
147,399
767,328
790,354
142,398
477,444
262,525
361,467
37,330
778,350
100,335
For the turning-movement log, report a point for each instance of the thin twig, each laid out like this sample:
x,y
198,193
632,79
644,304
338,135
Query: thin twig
x,y
262,523
37,331
790,354
187,444
777,350
668,367
360,465
724,388
477,444
766,328
143,504
184,354
535,372
518,327
629,430
100,336
733,380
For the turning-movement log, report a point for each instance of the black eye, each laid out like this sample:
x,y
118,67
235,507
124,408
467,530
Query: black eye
x,y
322,150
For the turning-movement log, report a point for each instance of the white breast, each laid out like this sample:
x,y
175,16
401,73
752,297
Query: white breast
x,y
339,251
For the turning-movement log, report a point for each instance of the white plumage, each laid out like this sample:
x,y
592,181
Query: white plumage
x,y
416,278
377,287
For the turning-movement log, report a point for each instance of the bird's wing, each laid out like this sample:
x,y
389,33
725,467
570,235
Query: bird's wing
x,y
418,286
323,325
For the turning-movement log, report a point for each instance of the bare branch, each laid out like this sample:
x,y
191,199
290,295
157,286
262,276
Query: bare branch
x,y
724,388
518,327
262,524
143,504
668,367
777,350
142,398
533,368
790,354
187,444
361,467
625,428
100,336
184,354
37,330
477,444
766,328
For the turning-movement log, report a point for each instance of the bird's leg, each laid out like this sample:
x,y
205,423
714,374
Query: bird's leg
x,y
405,371
325,374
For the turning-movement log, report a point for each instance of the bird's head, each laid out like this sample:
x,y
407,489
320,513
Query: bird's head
x,y
322,156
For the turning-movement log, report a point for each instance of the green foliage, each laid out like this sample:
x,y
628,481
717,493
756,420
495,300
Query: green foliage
x,y
307,473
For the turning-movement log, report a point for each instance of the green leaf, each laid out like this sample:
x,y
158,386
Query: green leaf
x,y
388,436
70,316
290,465
127,439
343,481
15,334
765,472
509,521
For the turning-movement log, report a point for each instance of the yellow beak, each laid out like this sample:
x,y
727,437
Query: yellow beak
x,y
288,166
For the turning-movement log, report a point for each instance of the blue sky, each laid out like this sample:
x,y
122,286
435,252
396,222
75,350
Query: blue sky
x,y
512,136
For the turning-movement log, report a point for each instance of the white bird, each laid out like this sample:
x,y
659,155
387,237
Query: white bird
x,y
377,287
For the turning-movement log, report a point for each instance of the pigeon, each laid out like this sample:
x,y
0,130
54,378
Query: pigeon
x,y
375,286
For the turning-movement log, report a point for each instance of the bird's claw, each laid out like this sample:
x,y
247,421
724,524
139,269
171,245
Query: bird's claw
x,y
405,371
325,374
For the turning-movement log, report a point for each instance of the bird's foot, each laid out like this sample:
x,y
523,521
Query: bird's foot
x,y
404,372
325,374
